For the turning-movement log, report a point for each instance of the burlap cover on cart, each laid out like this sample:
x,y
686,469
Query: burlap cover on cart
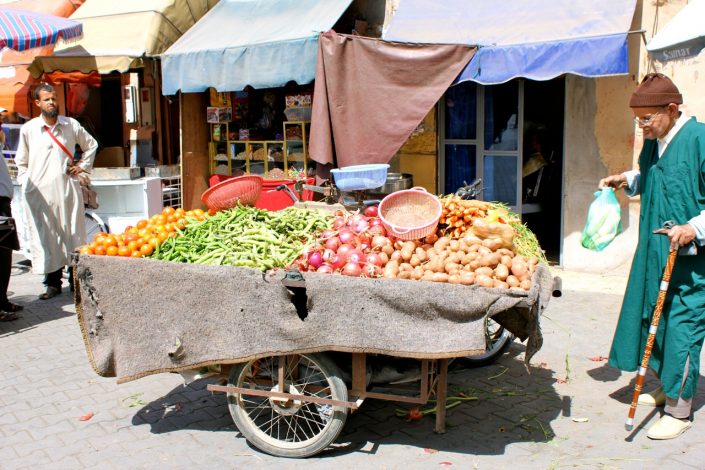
x,y
140,316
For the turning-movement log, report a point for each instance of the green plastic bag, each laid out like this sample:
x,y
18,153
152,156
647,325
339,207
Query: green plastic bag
x,y
604,221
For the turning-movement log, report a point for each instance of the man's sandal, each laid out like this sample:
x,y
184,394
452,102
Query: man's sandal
x,y
9,307
5,316
51,292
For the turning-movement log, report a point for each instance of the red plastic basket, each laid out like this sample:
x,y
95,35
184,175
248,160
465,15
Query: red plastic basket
x,y
242,190
410,214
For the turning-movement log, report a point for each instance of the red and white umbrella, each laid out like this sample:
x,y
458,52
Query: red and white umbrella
x,y
21,30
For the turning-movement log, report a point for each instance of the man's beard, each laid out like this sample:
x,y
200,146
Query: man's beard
x,y
50,114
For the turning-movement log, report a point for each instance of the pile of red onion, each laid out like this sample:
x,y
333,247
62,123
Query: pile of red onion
x,y
356,245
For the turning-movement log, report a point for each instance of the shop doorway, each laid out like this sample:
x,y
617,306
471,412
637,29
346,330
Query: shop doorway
x,y
98,109
511,136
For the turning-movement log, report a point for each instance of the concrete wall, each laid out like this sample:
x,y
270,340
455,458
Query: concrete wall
x,y
609,142
598,141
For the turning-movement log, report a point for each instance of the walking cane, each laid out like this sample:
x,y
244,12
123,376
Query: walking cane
x,y
629,425
658,308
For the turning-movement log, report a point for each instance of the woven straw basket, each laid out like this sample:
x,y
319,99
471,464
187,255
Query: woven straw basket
x,y
242,190
410,214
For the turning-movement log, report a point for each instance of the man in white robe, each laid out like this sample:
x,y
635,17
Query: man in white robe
x,y
50,188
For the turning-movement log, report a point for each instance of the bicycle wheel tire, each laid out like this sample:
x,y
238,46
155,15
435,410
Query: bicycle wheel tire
x,y
497,341
94,225
289,428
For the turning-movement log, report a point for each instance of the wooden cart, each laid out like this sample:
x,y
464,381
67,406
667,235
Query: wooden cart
x,y
291,401
297,405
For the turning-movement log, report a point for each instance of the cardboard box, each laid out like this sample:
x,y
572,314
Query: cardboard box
x,y
225,114
116,173
302,100
215,114
163,171
212,114
110,157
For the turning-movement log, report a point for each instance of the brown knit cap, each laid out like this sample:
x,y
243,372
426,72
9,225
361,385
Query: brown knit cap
x,y
655,89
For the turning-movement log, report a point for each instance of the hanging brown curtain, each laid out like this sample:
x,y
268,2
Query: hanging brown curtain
x,y
371,94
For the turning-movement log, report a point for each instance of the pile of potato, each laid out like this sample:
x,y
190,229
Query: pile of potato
x,y
468,260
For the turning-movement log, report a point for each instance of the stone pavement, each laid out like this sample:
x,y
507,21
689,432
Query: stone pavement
x,y
568,412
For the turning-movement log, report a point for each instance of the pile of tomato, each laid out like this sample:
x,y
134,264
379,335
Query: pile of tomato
x,y
142,239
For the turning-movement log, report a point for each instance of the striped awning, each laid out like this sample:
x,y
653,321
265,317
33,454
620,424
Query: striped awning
x,y
22,30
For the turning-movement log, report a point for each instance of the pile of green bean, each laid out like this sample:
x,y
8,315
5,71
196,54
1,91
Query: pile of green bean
x,y
245,236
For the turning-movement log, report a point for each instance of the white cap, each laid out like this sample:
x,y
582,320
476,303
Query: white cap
x,y
2,110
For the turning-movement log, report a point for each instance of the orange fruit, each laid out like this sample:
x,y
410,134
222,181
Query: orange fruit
x,y
154,242
111,251
136,254
86,250
99,250
146,249
124,251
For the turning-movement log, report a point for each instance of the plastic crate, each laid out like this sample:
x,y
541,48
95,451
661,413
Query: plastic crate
x,y
298,114
359,177
171,191
274,200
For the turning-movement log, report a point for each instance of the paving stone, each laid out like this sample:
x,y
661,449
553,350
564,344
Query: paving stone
x,y
7,452
68,463
48,383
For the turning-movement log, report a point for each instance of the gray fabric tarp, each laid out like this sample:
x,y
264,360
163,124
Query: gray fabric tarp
x,y
370,95
141,316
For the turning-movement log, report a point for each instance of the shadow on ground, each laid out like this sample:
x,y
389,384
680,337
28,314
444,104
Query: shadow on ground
x,y
36,311
512,404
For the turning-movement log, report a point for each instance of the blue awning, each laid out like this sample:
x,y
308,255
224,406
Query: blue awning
x,y
261,43
537,39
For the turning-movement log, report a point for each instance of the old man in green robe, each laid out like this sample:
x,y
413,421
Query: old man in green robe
x,y
671,181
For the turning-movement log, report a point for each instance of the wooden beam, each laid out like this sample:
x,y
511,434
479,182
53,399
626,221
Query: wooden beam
x,y
194,149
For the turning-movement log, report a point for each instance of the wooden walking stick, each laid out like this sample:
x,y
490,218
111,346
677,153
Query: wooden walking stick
x,y
658,308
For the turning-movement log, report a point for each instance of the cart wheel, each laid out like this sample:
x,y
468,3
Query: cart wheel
x,y
289,428
497,340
